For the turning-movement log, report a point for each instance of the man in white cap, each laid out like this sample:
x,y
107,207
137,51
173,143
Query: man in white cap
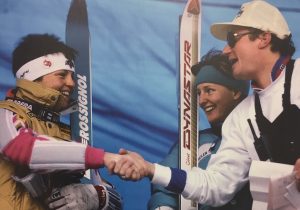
x,y
265,126
260,47
35,147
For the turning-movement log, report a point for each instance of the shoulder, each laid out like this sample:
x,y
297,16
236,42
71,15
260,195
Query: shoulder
x,y
242,111
296,70
15,108
207,135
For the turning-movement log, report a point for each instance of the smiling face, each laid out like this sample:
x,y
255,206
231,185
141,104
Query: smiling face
x,y
62,81
217,101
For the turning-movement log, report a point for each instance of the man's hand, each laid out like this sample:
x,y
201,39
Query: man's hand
x,y
115,162
128,165
143,167
297,173
74,197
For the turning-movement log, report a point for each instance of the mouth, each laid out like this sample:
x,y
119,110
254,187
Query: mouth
x,y
233,61
208,109
65,93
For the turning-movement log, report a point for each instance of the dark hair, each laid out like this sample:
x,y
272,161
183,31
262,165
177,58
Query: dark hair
x,y
220,62
214,58
283,46
34,46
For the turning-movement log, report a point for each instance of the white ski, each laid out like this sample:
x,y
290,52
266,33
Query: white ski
x,y
188,114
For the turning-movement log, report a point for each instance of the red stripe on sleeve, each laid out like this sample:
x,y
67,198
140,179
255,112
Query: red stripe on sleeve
x,y
19,149
93,158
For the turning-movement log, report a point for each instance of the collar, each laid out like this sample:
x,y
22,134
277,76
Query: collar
x,y
34,92
279,66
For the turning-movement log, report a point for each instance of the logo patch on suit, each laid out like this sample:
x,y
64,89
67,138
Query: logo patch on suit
x,y
205,150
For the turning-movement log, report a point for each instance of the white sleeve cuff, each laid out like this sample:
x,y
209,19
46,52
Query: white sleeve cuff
x,y
162,175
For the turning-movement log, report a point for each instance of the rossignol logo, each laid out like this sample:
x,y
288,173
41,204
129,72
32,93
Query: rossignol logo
x,y
187,96
83,109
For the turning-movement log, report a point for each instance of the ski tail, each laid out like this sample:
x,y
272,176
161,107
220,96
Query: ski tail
x,y
190,26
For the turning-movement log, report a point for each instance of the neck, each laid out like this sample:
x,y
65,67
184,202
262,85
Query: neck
x,y
263,78
217,128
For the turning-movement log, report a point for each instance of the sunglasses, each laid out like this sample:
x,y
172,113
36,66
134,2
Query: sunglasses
x,y
233,38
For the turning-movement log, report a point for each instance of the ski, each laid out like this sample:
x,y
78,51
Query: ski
x,y
78,37
188,111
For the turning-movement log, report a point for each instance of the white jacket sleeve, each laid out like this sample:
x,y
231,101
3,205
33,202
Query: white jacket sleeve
x,y
226,174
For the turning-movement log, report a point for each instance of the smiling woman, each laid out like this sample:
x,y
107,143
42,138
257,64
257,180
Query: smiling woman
x,y
218,94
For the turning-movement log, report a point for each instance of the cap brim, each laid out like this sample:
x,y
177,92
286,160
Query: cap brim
x,y
220,30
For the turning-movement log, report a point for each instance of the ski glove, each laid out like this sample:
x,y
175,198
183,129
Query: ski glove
x,y
85,197
74,197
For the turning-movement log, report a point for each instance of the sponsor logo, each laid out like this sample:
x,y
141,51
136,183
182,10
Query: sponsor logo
x,y
187,86
240,12
205,150
83,109
22,103
47,63
69,63
23,74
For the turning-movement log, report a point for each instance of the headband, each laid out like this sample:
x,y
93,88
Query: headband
x,y
209,74
44,65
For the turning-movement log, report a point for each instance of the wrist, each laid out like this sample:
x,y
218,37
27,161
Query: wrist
x,y
151,170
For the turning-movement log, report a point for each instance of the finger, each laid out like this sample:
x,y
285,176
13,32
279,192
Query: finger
x,y
111,166
58,204
128,172
132,174
127,165
297,177
121,161
139,163
297,165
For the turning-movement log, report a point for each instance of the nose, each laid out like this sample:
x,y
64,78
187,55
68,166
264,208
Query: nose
x,y
69,80
226,49
202,99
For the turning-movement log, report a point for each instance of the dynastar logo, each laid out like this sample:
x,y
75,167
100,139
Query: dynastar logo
x,y
187,96
83,109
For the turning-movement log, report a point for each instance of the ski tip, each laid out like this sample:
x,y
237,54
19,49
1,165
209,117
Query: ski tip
x,y
194,7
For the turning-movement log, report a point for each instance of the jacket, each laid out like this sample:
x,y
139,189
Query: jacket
x,y
31,144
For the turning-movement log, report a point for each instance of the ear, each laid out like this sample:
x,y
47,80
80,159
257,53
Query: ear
x,y
236,94
265,39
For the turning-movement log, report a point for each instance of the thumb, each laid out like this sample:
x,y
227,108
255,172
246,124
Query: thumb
x,y
123,151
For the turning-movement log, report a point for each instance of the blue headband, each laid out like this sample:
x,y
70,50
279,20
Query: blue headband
x,y
209,74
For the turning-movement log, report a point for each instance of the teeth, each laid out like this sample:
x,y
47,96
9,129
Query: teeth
x,y
65,93
208,109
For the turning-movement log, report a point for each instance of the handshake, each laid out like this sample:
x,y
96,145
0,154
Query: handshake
x,y
128,165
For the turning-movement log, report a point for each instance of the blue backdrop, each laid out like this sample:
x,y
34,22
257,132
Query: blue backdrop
x,y
135,65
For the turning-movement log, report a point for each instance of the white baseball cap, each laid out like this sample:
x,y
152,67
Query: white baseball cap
x,y
256,14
